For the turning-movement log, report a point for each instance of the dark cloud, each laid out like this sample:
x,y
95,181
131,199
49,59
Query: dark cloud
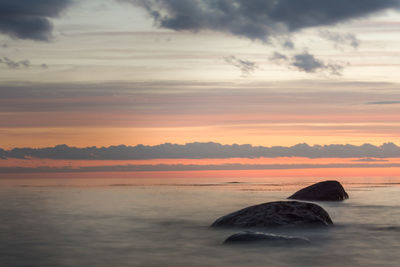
x,y
307,62
257,19
341,39
288,44
246,66
28,19
204,150
383,103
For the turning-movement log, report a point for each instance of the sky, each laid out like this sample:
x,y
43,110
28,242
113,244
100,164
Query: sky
x,y
148,72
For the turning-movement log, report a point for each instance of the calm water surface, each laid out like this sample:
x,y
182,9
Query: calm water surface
x,y
134,223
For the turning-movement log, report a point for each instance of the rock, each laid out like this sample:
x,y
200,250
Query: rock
x,y
323,191
255,237
280,213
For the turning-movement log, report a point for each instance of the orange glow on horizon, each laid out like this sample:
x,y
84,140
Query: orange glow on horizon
x,y
280,160
328,173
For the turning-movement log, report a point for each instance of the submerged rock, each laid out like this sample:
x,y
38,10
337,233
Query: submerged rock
x,y
323,191
272,214
255,237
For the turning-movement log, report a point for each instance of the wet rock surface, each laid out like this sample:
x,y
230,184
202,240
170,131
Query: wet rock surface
x,y
323,191
275,214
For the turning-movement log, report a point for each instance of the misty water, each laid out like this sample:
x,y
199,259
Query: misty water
x,y
139,224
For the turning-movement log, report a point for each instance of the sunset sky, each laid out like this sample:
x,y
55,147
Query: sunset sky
x,y
265,73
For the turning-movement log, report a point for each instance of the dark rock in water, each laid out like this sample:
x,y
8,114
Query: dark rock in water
x,y
323,191
280,213
255,237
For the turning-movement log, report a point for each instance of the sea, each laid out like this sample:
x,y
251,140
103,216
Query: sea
x,y
166,222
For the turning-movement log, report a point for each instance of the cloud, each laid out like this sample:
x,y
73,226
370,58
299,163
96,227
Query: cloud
x,y
383,103
278,56
203,150
259,19
288,44
15,64
246,66
370,160
307,62
27,19
120,104
341,39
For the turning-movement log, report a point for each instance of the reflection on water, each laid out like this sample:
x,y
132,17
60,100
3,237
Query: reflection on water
x,y
134,223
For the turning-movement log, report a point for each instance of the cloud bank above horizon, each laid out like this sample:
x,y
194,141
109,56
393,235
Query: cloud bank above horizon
x,y
208,150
